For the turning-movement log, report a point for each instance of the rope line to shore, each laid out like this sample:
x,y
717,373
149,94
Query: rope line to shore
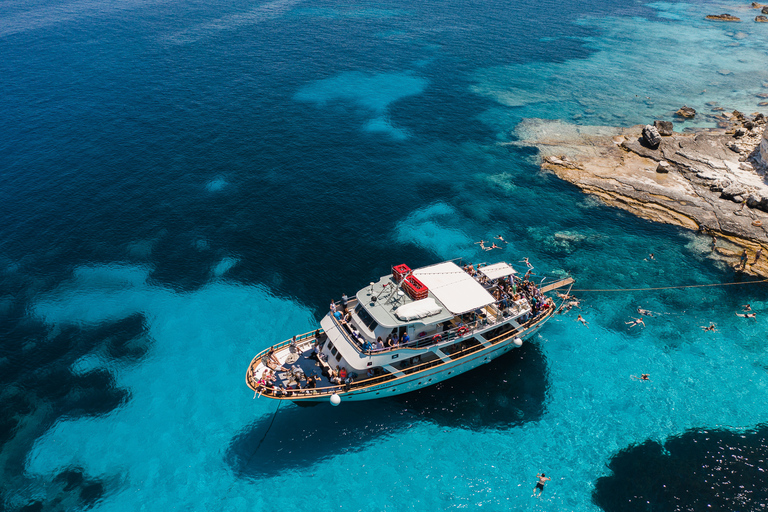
x,y
668,287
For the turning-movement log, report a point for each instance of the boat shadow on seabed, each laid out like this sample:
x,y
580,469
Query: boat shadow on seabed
x,y
502,394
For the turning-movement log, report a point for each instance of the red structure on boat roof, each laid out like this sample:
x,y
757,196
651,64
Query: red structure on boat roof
x,y
415,289
400,271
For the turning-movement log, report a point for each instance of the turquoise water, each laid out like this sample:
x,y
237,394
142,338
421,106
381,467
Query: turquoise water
x,y
184,184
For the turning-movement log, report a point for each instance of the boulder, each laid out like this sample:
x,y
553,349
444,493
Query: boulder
x,y
686,112
761,19
663,167
765,10
740,132
723,17
651,136
664,127
734,191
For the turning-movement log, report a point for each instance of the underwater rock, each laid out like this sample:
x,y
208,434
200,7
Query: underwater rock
x,y
686,112
723,17
651,136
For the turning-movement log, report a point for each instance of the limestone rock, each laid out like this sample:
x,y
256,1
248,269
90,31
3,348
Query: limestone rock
x,y
723,17
765,10
734,192
665,128
761,19
686,112
651,136
663,167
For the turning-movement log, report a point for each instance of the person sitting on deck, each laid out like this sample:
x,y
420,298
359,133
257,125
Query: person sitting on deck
x,y
272,362
347,317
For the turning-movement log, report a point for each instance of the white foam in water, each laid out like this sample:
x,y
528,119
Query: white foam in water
x,y
373,92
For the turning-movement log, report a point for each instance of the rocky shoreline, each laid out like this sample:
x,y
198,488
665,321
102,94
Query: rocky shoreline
x,y
713,181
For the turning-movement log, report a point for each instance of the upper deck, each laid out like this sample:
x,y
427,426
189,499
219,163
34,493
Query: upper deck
x,y
452,289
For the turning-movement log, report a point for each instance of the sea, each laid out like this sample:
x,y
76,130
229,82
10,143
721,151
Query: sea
x,y
183,184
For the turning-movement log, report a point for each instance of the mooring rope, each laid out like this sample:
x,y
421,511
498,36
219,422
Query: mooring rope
x,y
668,287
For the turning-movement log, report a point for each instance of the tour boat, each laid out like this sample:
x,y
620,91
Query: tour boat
x,y
409,330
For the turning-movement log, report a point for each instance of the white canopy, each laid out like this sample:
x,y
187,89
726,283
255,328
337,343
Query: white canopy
x,y
419,309
498,270
457,290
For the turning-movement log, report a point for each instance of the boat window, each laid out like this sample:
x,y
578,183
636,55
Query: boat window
x,y
338,357
333,351
366,317
330,345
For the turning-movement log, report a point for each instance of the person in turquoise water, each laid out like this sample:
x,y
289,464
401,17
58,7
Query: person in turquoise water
x,y
540,484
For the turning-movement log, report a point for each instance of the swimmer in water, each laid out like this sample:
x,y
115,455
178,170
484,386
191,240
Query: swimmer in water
x,y
643,376
711,327
645,312
498,237
540,484
747,315
635,322
581,319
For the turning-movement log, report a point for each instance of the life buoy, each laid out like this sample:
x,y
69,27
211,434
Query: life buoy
x,y
757,223
462,331
437,338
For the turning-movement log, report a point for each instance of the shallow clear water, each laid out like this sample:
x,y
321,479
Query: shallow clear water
x,y
184,184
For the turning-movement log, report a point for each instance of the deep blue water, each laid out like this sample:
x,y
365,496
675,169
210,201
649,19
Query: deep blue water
x,y
185,183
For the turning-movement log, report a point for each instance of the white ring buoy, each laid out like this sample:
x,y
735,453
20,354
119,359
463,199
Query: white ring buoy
x,y
335,399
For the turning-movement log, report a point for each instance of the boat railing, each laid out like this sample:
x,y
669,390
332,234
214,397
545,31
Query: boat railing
x,y
431,339
300,339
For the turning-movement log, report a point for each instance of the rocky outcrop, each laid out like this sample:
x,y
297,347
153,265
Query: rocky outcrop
x,y
686,112
723,17
765,10
651,136
665,128
709,181
761,19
